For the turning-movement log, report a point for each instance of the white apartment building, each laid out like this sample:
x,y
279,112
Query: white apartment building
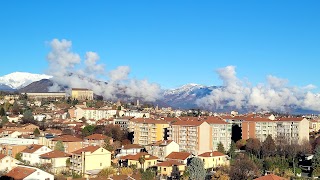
x,y
32,153
293,129
162,149
221,132
93,113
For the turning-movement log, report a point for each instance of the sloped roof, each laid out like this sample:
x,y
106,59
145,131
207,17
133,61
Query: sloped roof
x,y
138,155
131,146
86,149
160,143
2,156
148,121
211,154
67,138
20,173
97,137
32,148
270,177
189,123
169,163
178,155
55,154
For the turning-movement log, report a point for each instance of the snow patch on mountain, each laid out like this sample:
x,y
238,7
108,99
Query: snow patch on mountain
x,y
17,80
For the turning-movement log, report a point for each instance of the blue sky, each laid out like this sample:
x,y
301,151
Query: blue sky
x,y
169,42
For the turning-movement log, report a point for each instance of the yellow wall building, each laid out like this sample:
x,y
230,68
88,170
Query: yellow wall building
x,y
81,94
147,131
165,168
214,159
149,160
91,158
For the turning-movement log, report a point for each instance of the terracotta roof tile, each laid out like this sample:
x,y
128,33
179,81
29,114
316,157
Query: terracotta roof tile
x,y
32,148
2,156
20,173
67,138
189,123
169,163
138,155
270,177
291,119
178,155
97,137
131,146
160,143
86,149
55,154
148,121
211,154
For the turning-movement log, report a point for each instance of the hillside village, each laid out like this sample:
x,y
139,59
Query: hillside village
x,y
80,136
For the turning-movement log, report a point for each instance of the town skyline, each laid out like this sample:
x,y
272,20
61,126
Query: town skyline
x,y
186,44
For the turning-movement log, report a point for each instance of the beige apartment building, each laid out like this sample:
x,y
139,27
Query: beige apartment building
x,y
260,128
162,149
192,136
81,94
294,130
221,132
147,131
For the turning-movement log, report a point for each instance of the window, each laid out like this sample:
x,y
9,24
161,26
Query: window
x,y
100,164
7,161
164,169
101,150
38,173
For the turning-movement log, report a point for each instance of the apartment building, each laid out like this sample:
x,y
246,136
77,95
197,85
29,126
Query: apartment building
x,y
7,162
147,131
81,94
193,136
70,143
162,148
260,128
137,114
293,129
122,121
96,140
90,160
12,146
221,132
93,113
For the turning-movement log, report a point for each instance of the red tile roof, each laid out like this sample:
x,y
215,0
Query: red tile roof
x,y
160,143
67,138
169,163
188,123
131,146
20,173
2,156
291,119
97,137
148,121
138,155
214,120
270,177
55,154
86,149
178,155
211,154
32,148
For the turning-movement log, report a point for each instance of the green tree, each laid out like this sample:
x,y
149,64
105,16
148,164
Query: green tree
x,y
196,169
59,146
27,117
220,148
316,162
107,145
141,160
36,132
232,149
268,147
4,120
148,175
19,156
88,130
2,112
15,108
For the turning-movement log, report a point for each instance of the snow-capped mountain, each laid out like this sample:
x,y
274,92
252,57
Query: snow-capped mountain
x,y
186,95
19,80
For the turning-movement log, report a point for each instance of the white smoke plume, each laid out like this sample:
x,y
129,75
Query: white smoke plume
x,y
68,70
275,94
